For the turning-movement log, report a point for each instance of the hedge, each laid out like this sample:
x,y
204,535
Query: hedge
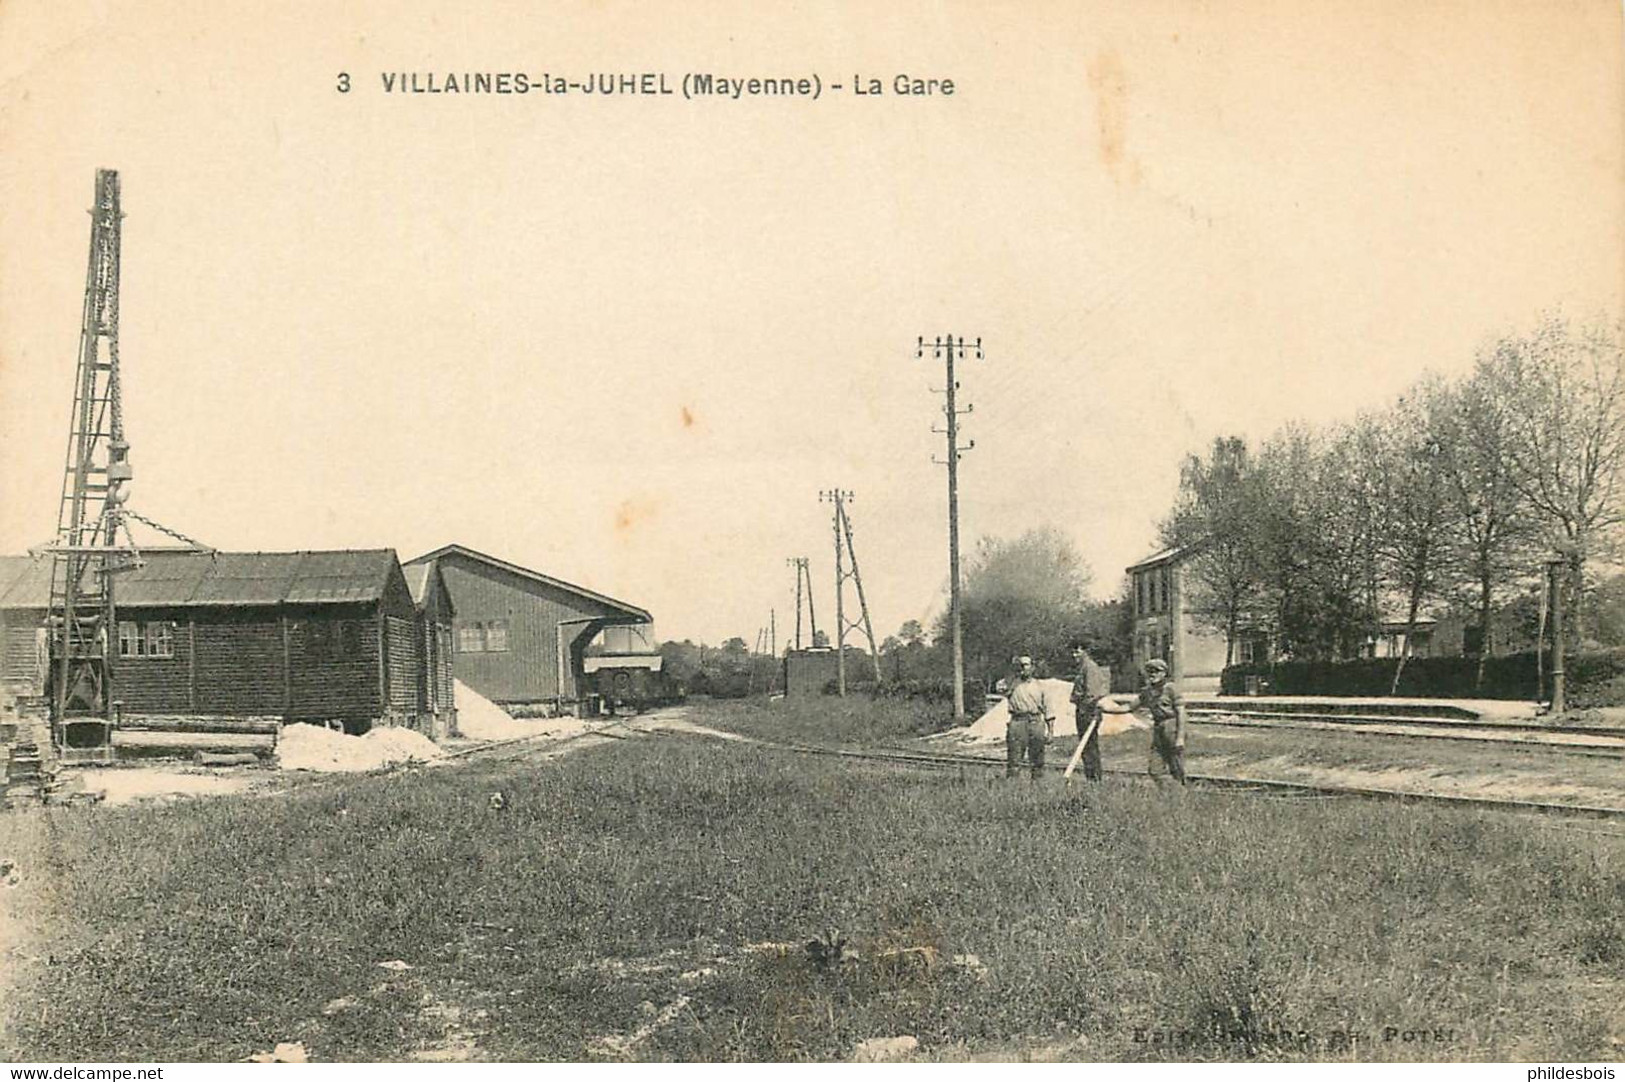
x,y
1593,678
924,689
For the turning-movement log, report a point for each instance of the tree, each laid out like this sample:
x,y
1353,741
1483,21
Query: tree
x,y
1216,518
1020,596
1491,531
906,654
681,660
1565,439
1412,506
1315,527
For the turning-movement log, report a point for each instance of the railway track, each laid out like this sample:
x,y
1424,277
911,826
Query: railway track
x,y
1256,786
1268,788
1582,742
1606,737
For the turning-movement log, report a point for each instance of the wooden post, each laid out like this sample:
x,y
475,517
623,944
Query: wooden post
x,y
191,663
1558,704
287,669
383,666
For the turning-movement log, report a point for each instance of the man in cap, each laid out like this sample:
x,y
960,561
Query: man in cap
x,y
1091,685
1167,709
1030,721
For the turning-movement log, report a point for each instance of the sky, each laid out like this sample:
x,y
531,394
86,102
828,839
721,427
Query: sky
x,y
627,340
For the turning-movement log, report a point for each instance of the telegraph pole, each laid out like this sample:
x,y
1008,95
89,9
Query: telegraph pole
x,y
796,562
843,531
944,349
836,496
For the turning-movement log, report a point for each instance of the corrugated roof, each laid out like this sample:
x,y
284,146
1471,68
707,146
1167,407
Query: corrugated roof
x,y
357,575
631,611
219,578
24,577
159,581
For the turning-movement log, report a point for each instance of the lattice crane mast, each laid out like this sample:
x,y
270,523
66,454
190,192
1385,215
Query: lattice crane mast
x,y
92,516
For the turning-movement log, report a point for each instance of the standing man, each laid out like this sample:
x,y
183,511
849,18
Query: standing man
x,y
1167,709
1091,684
1030,721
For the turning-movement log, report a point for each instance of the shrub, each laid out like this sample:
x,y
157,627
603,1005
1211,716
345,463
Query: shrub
x,y
926,689
1594,678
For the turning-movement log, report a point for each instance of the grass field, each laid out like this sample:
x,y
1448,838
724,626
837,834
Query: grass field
x,y
653,899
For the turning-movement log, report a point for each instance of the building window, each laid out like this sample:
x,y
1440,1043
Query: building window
x,y
496,635
471,638
149,638
159,638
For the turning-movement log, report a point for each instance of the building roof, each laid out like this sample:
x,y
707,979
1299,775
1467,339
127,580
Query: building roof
x,y
170,578
427,587
1163,557
417,581
629,610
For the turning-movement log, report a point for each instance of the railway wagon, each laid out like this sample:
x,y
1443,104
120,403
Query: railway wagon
x,y
631,682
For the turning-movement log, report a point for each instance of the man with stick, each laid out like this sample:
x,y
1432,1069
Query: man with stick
x,y
1091,684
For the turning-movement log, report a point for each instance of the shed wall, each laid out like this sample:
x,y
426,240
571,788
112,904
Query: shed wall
x,y
155,685
402,669
239,662
528,670
334,666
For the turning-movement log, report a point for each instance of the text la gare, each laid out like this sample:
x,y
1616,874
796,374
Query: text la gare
x,y
905,85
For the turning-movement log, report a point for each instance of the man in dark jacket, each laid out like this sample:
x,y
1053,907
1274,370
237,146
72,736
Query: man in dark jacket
x,y
1091,684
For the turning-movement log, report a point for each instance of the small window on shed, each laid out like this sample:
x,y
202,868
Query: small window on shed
x,y
150,638
158,637
470,638
352,638
496,635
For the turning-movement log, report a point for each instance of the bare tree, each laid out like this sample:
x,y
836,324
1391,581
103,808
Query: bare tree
x,y
1565,433
1217,519
1406,471
1492,532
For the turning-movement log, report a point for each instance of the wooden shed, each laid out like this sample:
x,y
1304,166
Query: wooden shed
x,y
435,616
521,636
300,636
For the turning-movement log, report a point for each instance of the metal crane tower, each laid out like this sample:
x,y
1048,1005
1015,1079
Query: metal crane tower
x,y
95,478
92,516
